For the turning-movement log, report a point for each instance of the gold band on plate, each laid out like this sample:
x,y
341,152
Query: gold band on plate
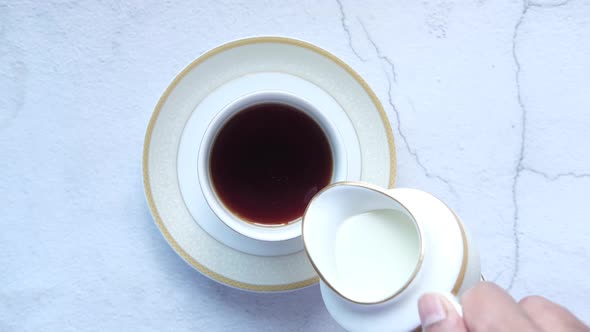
x,y
148,136
464,262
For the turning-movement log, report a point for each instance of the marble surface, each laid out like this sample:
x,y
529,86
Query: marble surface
x,y
488,100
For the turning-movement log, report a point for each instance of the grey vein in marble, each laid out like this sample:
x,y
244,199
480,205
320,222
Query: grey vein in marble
x,y
520,157
390,81
519,168
544,5
347,30
379,53
557,176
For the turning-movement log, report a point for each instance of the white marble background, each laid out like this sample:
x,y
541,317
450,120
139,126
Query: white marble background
x,y
489,101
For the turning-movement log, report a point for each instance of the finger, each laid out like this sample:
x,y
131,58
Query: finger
x,y
437,314
551,316
487,307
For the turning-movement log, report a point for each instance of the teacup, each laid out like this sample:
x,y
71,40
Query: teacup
x,y
377,251
247,225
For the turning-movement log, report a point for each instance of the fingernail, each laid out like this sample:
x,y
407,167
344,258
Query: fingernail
x,y
431,309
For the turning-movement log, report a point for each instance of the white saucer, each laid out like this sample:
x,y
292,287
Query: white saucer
x,y
229,263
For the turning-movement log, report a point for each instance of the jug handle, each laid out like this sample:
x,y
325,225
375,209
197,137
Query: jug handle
x,y
454,300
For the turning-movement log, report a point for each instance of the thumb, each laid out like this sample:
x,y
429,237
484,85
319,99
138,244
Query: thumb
x,y
437,314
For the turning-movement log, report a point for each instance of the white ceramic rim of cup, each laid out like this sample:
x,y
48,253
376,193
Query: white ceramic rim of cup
x,y
420,232
247,228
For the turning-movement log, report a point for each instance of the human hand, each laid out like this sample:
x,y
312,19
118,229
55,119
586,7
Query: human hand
x,y
487,307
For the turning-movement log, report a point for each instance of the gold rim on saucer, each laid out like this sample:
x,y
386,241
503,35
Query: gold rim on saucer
x,y
148,136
